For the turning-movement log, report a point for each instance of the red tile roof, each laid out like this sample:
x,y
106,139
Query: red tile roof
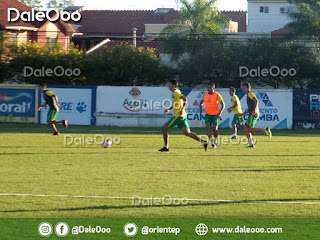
x,y
98,22
4,5
281,33
121,22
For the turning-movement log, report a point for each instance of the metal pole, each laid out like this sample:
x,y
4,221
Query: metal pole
x,y
134,37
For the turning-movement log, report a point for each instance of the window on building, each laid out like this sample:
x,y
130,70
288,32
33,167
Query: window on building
x,y
264,9
14,37
51,40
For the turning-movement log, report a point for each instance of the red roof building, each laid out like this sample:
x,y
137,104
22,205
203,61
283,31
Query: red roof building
x,y
281,33
97,25
44,32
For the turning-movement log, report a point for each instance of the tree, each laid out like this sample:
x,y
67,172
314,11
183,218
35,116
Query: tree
x,y
49,57
3,66
213,62
285,55
118,65
198,19
306,18
220,62
60,4
32,3
2,40
123,65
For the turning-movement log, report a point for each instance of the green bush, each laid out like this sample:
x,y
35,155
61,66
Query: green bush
x,y
119,65
124,65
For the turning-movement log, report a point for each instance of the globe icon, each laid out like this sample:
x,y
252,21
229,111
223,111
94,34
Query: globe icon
x,y
201,229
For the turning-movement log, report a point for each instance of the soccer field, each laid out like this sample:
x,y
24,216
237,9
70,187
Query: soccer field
x,y
279,178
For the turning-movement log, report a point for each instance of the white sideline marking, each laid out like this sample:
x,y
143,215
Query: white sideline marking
x,y
94,130
132,198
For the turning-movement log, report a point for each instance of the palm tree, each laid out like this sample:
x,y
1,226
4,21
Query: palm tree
x,y
199,22
198,17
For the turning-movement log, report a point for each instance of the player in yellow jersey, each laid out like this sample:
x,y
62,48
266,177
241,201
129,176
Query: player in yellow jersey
x,y
179,119
236,108
253,111
52,100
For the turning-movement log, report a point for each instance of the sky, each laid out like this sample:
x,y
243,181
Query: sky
x,y
234,5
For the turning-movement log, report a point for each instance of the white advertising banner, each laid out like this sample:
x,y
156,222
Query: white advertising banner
x,y
275,108
76,105
144,106
133,100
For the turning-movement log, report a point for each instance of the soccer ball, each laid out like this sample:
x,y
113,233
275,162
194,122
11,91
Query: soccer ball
x,y
106,143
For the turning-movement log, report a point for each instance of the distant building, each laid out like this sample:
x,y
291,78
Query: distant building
x,y
97,25
45,33
266,16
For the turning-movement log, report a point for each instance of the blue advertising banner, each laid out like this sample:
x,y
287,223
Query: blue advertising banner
x,y
306,109
18,104
77,104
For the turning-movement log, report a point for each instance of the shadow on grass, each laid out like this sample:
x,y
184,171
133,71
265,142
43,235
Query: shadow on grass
x,y
37,128
99,151
200,204
278,169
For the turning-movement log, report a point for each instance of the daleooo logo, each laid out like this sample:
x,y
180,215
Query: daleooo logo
x,y
51,14
274,71
58,71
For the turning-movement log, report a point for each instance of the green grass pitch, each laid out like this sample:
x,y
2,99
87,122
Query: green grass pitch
x,y
32,161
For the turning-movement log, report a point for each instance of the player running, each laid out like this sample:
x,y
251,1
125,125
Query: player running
x,y
211,100
52,100
253,111
236,108
180,118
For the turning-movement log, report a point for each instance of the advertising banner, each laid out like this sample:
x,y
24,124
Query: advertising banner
x,y
138,102
133,100
275,108
306,109
18,103
77,105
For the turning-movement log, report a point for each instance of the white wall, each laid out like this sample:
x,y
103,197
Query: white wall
x,y
132,106
266,22
115,107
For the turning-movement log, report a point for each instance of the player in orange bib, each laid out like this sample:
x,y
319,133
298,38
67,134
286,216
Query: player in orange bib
x,y
211,100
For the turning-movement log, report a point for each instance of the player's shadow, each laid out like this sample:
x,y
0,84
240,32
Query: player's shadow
x,y
275,169
199,204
